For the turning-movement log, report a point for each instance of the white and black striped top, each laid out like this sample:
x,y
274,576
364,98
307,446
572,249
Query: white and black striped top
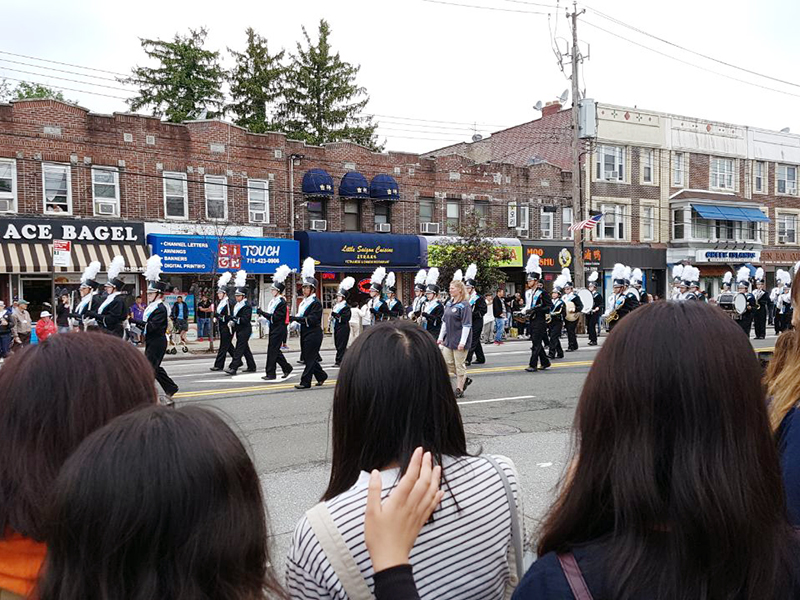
x,y
462,553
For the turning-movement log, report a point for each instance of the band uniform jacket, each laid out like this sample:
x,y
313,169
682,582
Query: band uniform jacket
x,y
479,310
155,327
341,318
311,326
599,303
433,319
113,316
558,311
643,298
395,308
381,313
539,307
276,320
241,320
576,300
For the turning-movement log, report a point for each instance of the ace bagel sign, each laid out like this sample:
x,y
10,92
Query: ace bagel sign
x,y
78,231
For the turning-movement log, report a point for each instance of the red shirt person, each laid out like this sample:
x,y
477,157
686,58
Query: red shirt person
x,y
45,327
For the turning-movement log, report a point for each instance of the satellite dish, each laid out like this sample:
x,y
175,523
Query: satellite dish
x,y
785,130
564,96
538,106
477,137
203,114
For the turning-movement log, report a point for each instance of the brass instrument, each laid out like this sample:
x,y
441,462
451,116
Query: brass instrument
x,y
572,313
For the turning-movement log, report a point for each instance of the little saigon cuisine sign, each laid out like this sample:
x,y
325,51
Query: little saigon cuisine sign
x,y
366,255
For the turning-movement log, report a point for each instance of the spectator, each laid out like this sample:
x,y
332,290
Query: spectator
x,y
45,326
488,320
392,396
136,314
6,330
63,310
516,305
675,490
205,310
456,335
180,319
22,323
54,395
499,310
356,321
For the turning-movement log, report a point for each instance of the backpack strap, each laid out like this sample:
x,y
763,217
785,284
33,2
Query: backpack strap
x,y
338,554
574,576
516,530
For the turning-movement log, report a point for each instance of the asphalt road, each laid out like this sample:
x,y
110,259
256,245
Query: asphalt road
x,y
525,416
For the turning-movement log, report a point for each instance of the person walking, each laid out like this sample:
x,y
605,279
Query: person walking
x,y
499,310
6,330
45,327
761,298
180,320
112,314
456,334
356,320
433,310
340,314
22,323
557,314
309,315
478,307
205,310
393,304
276,321
223,320
90,298
537,306
241,317
593,318
571,325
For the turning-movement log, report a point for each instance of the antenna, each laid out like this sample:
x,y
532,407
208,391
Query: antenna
x,y
564,96
538,106
785,130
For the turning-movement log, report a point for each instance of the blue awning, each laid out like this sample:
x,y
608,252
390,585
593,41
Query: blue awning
x,y
360,252
730,213
354,185
317,182
384,188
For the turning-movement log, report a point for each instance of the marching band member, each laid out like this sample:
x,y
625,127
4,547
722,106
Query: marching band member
x,y
686,283
743,285
222,319
677,279
479,310
112,313
557,314
593,318
631,294
154,325
623,303
393,305
90,298
341,314
240,321
694,286
276,324
415,309
309,315
570,296
537,306
637,278
378,308
783,302
760,313
726,285
433,310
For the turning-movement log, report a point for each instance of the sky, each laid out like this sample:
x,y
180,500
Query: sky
x,y
436,72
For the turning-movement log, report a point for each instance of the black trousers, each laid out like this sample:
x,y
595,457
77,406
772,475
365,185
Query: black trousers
x,y
572,334
341,335
538,329
746,322
154,350
225,346
554,331
311,344
592,321
275,355
760,322
477,348
242,351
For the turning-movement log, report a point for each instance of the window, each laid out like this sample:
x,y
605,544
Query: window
x,y
759,177
352,215
701,228
610,163
524,220
426,210
481,209
316,209
725,230
546,224
383,213
787,180
648,223
57,189
8,186
747,231
787,229
678,223
453,216
613,223
722,173
648,165
176,197
216,198
566,223
677,169
105,191
258,200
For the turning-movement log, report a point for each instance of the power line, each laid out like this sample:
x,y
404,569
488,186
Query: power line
x,y
109,87
55,62
62,88
493,8
17,62
438,121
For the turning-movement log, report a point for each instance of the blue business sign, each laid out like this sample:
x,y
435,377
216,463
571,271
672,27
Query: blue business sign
x,y
360,252
209,254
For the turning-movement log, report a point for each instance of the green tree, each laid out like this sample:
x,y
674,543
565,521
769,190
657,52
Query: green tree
x,y
5,91
470,247
256,83
322,102
186,84
26,90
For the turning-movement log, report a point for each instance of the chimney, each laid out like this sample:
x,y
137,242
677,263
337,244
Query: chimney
x,y
551,108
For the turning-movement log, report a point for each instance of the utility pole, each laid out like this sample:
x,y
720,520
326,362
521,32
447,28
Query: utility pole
x,y
577,213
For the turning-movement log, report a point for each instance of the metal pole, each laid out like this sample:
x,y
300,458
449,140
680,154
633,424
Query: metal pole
x,y
577,213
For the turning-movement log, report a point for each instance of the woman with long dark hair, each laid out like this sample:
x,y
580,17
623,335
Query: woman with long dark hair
x,y
55,394
675,488
392,396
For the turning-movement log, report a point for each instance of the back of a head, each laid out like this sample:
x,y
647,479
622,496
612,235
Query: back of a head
x,y
160,503
392,395
676,469
54,394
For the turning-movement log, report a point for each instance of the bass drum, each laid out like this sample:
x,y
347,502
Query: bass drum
x,y
740,303
726,302
587,300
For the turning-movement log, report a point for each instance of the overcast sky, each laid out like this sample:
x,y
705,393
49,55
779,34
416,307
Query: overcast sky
x,y
433,69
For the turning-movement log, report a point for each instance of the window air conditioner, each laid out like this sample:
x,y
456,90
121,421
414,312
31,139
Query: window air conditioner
x,y
258,217
383,227
106,208
781,239
612,175
791,189
429,228
6,206
319,225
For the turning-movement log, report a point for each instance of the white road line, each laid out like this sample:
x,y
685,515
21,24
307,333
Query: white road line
x,y
495,400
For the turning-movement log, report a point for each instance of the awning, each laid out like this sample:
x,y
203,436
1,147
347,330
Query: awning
x,y
354,185
360,252
317,182
38,257
730,213
384,188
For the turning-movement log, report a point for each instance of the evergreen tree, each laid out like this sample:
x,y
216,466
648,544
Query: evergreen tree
x,y
322,102
256,84
186,84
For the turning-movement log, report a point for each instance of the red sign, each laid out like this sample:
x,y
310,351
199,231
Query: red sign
x,y
364,284
62,245
329,276
229,256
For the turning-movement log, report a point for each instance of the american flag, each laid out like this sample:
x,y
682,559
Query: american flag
x,y
589,223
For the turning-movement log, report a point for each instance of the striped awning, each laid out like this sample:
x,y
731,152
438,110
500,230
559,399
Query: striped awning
x,y
38,257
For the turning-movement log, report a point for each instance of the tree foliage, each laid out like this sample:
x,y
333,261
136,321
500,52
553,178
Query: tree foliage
x,y
187,82
322,101
26,90
256,82
470,247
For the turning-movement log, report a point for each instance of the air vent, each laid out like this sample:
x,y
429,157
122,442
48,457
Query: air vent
x,y
278,153
150,140
127,137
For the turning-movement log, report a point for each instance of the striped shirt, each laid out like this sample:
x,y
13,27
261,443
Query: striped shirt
x,y
462,553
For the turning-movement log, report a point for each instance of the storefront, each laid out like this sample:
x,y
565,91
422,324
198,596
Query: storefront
x,y
556,256
26,260
713,264
772,260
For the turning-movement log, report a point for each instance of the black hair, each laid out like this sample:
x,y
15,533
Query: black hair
x,y
160,503
393,395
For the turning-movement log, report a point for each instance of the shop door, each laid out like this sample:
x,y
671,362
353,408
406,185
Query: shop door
x,y
38,294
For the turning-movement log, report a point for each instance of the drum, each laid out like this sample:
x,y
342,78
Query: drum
x,y
571,313
587,300
726,302
740,303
